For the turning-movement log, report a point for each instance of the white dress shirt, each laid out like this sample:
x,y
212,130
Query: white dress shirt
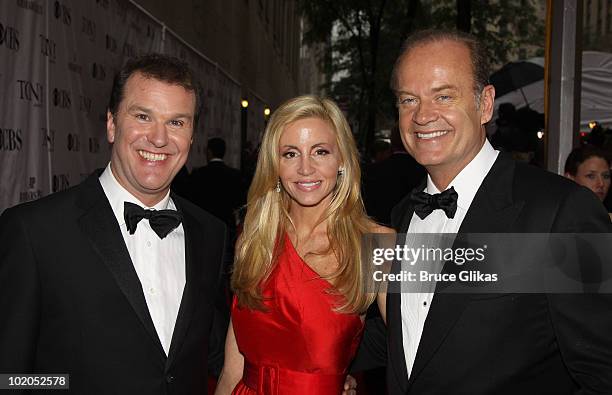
x,y
415,306
159,263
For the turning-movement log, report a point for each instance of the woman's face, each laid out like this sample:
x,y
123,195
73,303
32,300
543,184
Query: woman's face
x,y
309,161
594,174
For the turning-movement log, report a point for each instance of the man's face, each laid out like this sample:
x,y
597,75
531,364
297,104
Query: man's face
x,y
439,120
151,136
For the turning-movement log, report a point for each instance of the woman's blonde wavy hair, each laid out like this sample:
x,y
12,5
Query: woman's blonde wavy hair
x,y
268,212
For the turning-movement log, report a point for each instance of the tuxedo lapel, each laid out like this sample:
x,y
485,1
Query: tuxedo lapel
x,y
195,257
99,225
492,211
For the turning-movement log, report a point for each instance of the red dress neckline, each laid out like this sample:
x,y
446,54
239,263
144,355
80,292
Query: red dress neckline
x,y
299,345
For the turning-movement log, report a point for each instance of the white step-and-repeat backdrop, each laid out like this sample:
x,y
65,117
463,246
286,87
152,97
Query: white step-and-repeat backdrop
x,y
57,62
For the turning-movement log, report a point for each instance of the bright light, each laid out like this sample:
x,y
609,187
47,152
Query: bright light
x,y
244,103
266,111
540,134
592,124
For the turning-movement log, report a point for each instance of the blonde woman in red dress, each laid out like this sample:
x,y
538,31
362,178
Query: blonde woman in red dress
x,y
297,315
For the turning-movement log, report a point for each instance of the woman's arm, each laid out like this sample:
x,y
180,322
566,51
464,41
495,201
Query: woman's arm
x,y
232,365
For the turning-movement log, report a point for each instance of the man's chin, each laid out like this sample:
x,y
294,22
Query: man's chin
x,y
429,160
153,190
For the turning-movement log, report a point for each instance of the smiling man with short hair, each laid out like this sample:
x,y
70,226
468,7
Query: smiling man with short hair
x,y
442,343
114,281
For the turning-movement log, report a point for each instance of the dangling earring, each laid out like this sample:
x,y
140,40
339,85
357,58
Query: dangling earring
x,y
278,186
341,171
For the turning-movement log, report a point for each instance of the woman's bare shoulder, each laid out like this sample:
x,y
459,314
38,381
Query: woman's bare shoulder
x,y
377,228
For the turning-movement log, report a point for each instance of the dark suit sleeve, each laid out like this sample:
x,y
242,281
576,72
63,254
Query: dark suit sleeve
x,y
19,296
216,343
221,315
583,322
372,352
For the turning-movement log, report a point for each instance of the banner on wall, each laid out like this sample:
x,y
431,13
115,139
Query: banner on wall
x,y
61,56
26,143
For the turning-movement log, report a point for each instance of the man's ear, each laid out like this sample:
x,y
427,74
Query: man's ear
x,y
487,98
110,127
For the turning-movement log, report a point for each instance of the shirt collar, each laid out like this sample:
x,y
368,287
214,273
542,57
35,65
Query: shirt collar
x,y
117,195
467,182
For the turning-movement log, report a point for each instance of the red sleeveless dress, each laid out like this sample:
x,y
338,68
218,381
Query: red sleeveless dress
x,y
299,346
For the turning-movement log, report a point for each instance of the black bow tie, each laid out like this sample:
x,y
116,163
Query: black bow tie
x,y
161,221
425,203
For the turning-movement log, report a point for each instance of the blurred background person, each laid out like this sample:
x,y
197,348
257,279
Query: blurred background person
x,y
508,134
517,132
217,187
380,151
388,181
589,166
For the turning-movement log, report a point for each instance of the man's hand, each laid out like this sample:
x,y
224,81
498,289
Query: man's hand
x,y
350,386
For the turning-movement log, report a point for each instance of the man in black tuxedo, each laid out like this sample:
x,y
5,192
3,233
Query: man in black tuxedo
x,y
441,343
93,285
217,187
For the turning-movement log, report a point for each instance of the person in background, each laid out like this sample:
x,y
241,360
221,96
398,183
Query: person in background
x,y
388,181
380,151
589,166
217,187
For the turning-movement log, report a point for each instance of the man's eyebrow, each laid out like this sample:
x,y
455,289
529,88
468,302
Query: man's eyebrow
x,y
139,108
444,87
181,115
435,89
149,111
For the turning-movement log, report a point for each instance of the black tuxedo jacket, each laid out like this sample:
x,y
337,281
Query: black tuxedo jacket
x,y
219,189
507,343
71,301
